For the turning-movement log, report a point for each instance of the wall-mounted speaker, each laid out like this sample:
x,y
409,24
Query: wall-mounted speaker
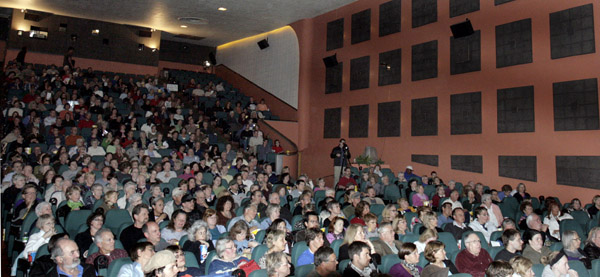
x,y
145,33
330,61
263,44
462,29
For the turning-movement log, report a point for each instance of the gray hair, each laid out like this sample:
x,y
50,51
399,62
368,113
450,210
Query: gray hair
x,y
198,224
593,234
271,208
18,176
178,192
135,197
567,239
330,191
99,233
485,197
43,219
384,225
57,250
273,261
530,219
129,185
220,247
155,200
40,207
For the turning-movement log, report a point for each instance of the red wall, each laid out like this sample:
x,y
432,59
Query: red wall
x,y
544,143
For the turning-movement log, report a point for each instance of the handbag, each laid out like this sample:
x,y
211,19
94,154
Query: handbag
x,y
249,267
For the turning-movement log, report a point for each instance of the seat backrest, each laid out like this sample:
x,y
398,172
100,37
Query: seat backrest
x,y
74,220
335,245
257,273
259,251
579,267
538,269
410,238
190,259
303,270
297,249
388,261
211,256
342,265
115,218
451,245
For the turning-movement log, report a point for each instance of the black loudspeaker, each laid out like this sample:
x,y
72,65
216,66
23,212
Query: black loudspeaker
x,y
330,61
462,29
263,44
212,58
145,33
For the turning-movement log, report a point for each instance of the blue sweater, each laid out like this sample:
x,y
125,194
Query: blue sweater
x,y
305,258
218,266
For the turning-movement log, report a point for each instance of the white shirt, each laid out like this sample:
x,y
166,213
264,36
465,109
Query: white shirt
x,y
554,225
486,231
163,176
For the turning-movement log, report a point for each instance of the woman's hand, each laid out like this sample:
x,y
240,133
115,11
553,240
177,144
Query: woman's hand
x,y
573,273
252,244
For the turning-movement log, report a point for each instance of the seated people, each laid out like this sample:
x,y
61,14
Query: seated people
x,y
438,264
458,226
360,257
140,254
133,233
474,259
163,263
592,245
67,260
199,235
180,263
314,240
227,259
534,248
571,242
105,240
482,223
513,244
409,257
325,263
277,264
386,244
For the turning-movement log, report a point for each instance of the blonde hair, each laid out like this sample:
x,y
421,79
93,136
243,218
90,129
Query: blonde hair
x,y
427,218
272,237
428,234
521,265
351,233
108,195
387,210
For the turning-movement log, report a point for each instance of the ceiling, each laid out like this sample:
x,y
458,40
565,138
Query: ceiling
x,y
243,18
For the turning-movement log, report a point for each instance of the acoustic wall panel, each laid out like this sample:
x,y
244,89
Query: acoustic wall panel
x,y
332,123
335,34
388,119
359,73
465,54
460,7
513,43
465,113
359,121
432,160
424,117
518,167
423,12
390,17
333,78
424,61
576,105
579,171
500,2
361,26
471,163
516,110
572,32
390,67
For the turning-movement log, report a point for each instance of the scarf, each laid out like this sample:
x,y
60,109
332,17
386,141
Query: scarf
x,y
414,271
74,205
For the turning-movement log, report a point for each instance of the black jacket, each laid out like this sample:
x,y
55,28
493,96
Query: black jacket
x,y
591,251
344,157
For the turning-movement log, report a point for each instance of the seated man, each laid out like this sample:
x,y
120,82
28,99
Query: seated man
x,y
314,240
131,235
445,215
248,217
458,226
105,240
311,220
359,253
511,239
66,257
140,255
227,259
325,263
152,233
386,244
473,260
372,197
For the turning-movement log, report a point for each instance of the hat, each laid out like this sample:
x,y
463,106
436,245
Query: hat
x,y
409,167
187,197
355,195
160,259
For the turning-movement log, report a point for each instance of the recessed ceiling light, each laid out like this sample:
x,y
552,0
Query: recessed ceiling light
x,y
222,9
183,26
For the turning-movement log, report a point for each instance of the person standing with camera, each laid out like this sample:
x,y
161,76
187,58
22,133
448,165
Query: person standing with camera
x,y
341,157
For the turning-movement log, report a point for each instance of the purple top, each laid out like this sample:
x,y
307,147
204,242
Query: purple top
x,y
417,199
399,271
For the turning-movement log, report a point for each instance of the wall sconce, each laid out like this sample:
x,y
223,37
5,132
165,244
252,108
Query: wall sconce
x,y
20,32
95,32
154,50
140,47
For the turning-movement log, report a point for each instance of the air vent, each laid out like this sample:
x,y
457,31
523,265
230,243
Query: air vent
x,y
193,20
189,37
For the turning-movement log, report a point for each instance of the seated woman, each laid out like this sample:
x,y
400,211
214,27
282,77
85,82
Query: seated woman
x,y
110,201
440,193
389,213
400,227
157,214
420,198
362,208
555,215
272,213
280,224
85,239
522,267
244,240
224,210
180,262
227,259
277,265
575,205
427,236
494,212
571,242
430,221
46,225
354,233
73,202
404,206
526,208
335,230
335,211
409,257
521,193
275,242
534,248
471,200
176,228
199,235
210,217
557,265
23,207
438,264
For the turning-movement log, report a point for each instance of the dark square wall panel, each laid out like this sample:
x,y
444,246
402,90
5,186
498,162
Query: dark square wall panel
x,y
579,171
516,110
333,78
576,105
513,43
423,12
471,163
388,119
500,2
390,65
424,117
359,121
459,7
361,26
572,32
518,167
465,54
390,17
432,160
465,113
335,34
332,123
359,73
424,61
